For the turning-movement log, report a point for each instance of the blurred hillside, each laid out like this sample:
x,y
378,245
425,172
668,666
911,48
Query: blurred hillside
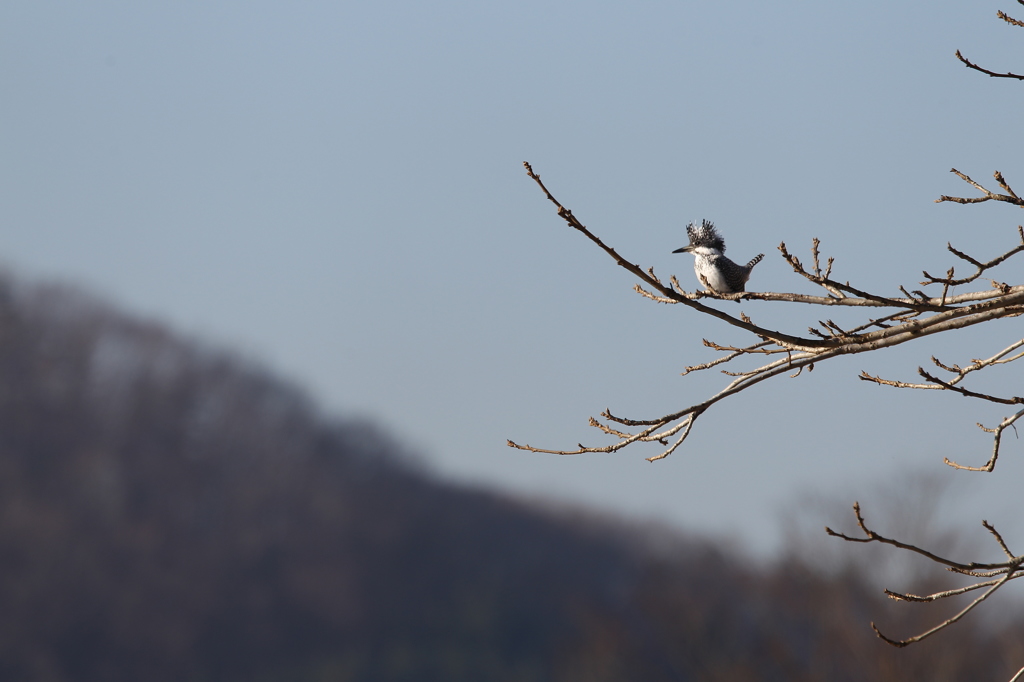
x,y
168,512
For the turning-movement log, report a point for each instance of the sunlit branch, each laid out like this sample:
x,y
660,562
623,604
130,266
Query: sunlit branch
x,y
949,593
1010,570
946,623
934,383
667,292
900,319
1016,400
996,442
1008,19
981,267
1010,197
927,303
910,318
840,289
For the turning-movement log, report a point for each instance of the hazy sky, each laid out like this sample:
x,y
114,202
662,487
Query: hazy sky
x,y
336,190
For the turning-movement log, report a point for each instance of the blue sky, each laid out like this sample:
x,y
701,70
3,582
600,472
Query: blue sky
x,y
336,190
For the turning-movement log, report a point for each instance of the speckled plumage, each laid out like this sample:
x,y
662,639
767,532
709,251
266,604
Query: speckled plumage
x,y
722,275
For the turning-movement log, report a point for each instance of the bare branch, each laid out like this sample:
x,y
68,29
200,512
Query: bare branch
x,y
996,442
872,536
913,317
961,372
1002,183
982,267
910,302
999,538
972,394
993,74
646,294
934,383
948,593
1008,19
917,638
1010,570
569,218
837,289
1009,198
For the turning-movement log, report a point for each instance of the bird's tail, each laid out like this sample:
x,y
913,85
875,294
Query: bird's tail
x,y
754,261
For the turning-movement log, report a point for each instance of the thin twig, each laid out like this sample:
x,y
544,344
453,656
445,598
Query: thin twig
x,y
993,74
924,635
1011,568
1009,198
996,442
911,318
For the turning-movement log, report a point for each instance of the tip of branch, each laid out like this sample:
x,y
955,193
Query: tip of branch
x,y
885,639
896,596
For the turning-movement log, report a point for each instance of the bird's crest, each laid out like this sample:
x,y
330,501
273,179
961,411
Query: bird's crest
x,y
705,235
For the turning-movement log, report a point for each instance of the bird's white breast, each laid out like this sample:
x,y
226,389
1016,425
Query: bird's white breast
x,y
703,266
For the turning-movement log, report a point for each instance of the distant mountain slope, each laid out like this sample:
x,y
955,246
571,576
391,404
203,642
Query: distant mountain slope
x,y
168,512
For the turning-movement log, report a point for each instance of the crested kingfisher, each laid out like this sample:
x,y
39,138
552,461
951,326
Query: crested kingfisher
x,y
708,248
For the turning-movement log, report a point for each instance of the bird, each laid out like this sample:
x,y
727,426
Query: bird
x,y
719,273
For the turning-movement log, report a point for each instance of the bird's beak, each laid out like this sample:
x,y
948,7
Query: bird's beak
x,y
685,249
